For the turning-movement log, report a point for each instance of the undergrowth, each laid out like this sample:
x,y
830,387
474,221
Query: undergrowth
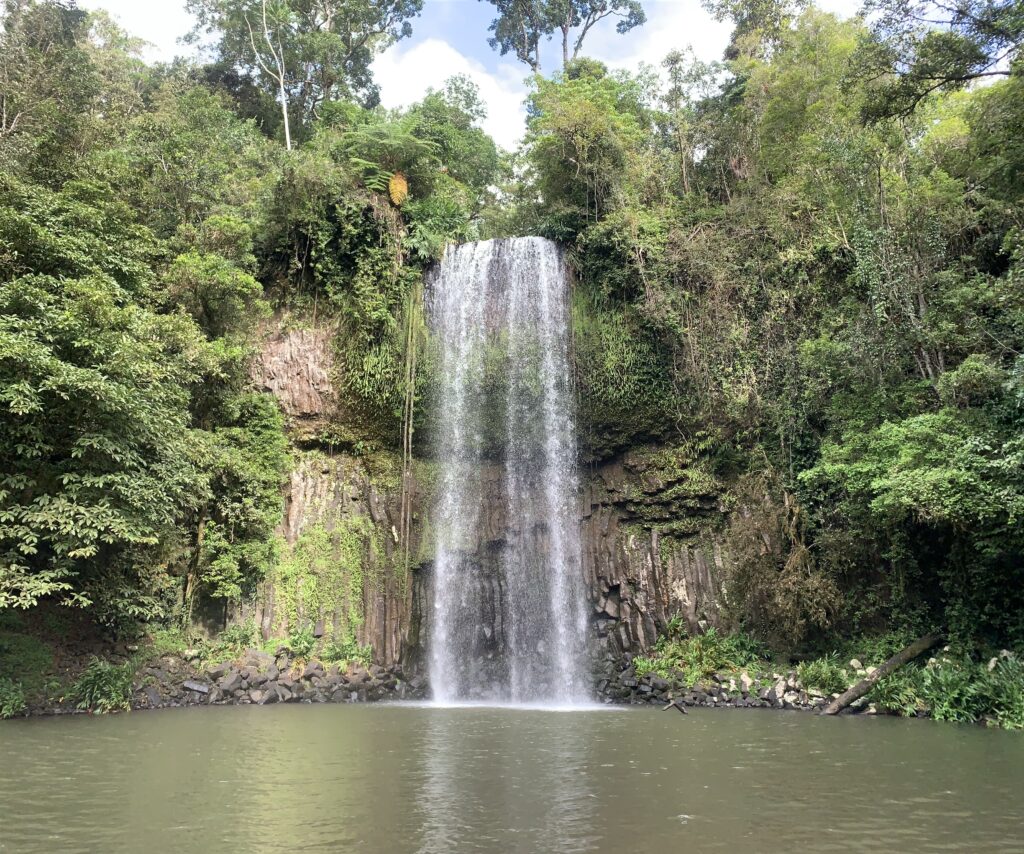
x,y
698,657
957,689
825,674
12,698
105,687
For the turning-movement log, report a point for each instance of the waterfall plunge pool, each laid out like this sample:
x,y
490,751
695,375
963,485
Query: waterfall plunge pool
x,y
412,778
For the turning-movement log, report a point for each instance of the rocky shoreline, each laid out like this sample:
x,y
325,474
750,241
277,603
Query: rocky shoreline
x,y
746,690
260,678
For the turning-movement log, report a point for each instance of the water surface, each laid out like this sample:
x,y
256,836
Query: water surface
x,y
420,779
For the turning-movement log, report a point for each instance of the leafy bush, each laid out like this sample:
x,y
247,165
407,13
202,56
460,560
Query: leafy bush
x,y
644,665
874,650
700,656
347,650
301,641
1003,690
826,674
233,641
958,690
27,656
952,690
12,698
899,692
105,687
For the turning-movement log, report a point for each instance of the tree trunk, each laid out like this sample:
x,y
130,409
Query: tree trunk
x,y
284,113
902,657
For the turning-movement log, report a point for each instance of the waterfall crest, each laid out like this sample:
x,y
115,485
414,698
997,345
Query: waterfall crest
x,y
508,624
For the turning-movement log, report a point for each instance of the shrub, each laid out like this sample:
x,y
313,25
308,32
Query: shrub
x,y
873,650
1003,690
105,687
644,665
233,641
899,692
347,650
12,698
25,655
700,656
301,641
826,674
952,690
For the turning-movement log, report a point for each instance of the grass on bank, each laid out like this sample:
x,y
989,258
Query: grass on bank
x,y
951,687
700,656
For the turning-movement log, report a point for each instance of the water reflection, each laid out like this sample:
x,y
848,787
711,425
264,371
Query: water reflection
x,y
399,780
508,780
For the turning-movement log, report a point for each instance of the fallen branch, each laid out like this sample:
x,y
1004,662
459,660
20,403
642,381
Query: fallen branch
x,y
675,705
904,656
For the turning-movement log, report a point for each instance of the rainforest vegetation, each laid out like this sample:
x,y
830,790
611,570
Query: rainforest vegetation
x,y
803,264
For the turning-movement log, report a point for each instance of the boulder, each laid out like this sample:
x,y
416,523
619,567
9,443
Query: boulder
x,y
230,682
746,683
196,687
258,659
313,668
855,664
218,670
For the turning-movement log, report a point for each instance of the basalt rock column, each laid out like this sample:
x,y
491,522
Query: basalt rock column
x,y
508,624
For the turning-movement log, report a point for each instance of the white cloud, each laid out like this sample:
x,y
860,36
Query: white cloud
x,y
160,22
671,25
405,71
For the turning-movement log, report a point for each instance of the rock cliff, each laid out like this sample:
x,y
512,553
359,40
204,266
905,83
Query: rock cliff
x,y
651,524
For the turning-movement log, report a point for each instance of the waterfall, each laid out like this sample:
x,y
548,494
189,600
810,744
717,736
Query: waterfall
x,y
508,621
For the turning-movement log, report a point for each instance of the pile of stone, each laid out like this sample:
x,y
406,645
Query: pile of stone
x,y
259,678
721,690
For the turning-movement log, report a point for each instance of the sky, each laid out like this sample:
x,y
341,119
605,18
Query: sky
x,y
450,37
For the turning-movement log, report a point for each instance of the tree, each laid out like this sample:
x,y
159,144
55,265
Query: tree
x,y
68,80
758,25
305,52
96,454
448,118
691,82
521,24
519,28
918,47
582,15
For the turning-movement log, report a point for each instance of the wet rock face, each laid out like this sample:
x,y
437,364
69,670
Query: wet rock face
x,y
650,551
342,520
295,366
637,578
648,522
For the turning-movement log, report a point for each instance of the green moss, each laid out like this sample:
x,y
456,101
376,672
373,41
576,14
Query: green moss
x,y
623,376
672,490
326,573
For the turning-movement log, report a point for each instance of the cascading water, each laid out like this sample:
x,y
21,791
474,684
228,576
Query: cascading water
x,y
509,620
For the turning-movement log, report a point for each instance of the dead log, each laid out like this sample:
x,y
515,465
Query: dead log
x,y
675,705
904,656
